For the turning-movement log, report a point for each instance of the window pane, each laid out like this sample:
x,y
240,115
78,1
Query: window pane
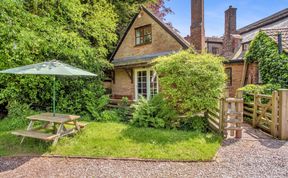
x,y
143,35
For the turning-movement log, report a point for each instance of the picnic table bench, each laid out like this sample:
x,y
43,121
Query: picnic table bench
x,y
48,120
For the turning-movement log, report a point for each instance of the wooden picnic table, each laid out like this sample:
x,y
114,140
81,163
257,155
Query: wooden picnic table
x,y
57,123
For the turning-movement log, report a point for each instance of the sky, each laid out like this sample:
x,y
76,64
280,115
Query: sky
x,y
248,11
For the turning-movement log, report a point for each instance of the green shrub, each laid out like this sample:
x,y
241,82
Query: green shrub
x,y
191,83
195,123
260,89
124,110
154,113
110,116
16,118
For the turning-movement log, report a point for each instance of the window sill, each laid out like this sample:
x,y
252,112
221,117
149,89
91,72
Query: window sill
x,y
143,44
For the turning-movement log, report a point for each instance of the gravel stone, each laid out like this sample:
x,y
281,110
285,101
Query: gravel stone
x,y
255,155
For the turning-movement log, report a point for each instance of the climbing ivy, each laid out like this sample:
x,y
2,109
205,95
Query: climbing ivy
x,y
272,65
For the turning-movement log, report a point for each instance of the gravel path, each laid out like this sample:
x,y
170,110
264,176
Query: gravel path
x,y
256,155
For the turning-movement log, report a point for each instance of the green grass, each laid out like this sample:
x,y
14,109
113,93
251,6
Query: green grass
x,y
119,141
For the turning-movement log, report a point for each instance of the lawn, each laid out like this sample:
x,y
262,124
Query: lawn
x,y
120,141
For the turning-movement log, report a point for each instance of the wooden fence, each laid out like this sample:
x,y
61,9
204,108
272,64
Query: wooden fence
x,y
228,117
269,112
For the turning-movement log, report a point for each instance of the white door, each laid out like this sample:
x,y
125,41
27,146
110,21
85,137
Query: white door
x,y
146,83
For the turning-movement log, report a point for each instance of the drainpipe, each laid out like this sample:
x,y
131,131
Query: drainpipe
x,y
280,46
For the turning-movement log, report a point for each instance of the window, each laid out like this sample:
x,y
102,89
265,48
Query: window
x,y
245,47
215,50
143,35
228,71
146,84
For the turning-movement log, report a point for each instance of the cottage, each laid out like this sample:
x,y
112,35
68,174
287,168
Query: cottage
x,y
146,38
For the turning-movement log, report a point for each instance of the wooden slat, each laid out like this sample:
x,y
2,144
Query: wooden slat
x,y
233,128
58,118
234,121
234,100
264,96
213,114
248,114
34,134
248,109
215,121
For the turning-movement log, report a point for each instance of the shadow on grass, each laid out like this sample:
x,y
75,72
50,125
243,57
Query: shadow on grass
x,y
161,136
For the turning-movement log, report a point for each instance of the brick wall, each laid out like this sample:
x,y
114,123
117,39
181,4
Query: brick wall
x,y
197,36
161,40
230,28
122,86
237,73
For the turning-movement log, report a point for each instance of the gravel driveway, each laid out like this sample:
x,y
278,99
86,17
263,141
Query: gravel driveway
x,y
256,155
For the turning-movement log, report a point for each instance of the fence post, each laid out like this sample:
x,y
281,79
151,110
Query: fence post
x,y
254,123
224,111
221,116
283,114
240,108
274,124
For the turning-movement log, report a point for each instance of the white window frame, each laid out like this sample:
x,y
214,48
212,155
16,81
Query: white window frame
x,y
148,70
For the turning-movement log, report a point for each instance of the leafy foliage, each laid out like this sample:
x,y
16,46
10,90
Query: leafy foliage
x,y
153,113
76,32
260,89
273,66
191,82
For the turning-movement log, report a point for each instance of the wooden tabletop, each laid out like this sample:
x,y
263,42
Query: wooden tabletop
x,y
58,118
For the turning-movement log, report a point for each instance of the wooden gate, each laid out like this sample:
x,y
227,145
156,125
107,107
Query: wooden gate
x,y
269,112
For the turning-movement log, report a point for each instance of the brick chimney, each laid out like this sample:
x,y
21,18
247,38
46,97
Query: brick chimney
x,y
230,29
197,36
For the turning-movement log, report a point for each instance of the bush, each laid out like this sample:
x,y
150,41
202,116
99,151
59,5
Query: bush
x,y
154,113
195,123
191,83
110,116
124,110
260,89
16,118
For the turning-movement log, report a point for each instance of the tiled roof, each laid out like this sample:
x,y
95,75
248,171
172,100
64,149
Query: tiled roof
x,y
273,33
139,59
264,22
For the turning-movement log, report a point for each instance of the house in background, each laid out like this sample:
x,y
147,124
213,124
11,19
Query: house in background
x,y
146,38
236,43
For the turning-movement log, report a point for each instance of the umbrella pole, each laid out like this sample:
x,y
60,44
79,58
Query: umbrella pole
x,y
54,96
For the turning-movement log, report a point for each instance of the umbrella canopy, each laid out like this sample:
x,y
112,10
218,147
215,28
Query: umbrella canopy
x,y
54,68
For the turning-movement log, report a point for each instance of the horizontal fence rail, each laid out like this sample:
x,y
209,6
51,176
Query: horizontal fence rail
x,y
269,112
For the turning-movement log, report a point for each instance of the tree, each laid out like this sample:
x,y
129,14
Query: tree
x,y
77,32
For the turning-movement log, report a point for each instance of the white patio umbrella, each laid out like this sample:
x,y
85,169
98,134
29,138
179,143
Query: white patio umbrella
x,y
54,68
